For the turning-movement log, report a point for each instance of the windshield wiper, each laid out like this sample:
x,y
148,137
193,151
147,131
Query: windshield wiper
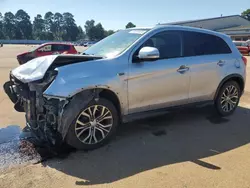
x,y
87,54
93,55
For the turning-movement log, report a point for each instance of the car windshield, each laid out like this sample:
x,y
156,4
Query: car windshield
x,y
116,43
240,43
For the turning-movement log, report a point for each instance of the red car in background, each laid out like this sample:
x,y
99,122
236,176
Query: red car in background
x,y
46,49
243,47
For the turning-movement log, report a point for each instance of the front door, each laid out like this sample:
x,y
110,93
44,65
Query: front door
x,y
44,50
160,83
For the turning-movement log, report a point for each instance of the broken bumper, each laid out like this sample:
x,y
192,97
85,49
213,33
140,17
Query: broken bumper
x,y
41,114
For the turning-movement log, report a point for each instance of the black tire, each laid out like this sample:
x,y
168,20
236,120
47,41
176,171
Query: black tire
x,y
218,100
71,137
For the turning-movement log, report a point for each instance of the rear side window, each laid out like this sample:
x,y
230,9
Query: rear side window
x,y
60,47
66,47
197,44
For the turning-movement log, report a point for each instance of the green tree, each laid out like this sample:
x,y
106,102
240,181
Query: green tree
x,y
1,27
49,25
89,28
39,32
94,32
57,27
23,25
9,27
81,33
109,32
130,25
99,32
70,27
246,14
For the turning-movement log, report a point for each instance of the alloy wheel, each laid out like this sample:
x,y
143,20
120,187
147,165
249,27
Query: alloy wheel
x,y
229,98
93,124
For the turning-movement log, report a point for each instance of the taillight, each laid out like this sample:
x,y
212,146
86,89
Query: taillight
x,y
245,60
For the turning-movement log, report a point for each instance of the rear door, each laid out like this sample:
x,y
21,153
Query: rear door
x,y
208,57
59,48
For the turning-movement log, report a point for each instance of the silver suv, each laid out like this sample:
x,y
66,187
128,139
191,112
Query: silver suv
x,y
134,73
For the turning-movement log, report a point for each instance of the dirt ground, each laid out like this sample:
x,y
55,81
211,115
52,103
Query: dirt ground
x,y
190,148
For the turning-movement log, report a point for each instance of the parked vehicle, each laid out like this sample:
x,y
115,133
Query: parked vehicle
x,y
46,49
88,44
129,75
248,42
243,47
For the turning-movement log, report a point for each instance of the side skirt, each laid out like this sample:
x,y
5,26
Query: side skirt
x,y
158,112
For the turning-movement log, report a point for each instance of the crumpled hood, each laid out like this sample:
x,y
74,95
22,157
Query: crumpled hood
x,y
34,69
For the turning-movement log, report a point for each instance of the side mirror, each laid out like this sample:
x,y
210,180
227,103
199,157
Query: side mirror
x,y
149,53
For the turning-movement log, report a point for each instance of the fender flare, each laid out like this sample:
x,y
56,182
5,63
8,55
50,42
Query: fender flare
x,y
227,78
70,110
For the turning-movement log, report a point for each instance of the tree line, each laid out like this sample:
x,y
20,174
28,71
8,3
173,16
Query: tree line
x,y
55,26
51,26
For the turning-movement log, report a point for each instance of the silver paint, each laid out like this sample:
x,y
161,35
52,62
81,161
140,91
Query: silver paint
x,y
150,85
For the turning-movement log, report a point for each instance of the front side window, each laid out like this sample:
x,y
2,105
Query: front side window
x,y
168,43
197,44
115,44
46,48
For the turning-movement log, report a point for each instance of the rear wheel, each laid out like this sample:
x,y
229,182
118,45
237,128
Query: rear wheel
x,y
94,126
228,98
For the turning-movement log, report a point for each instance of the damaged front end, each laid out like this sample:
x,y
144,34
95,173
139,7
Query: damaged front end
x,y
43,114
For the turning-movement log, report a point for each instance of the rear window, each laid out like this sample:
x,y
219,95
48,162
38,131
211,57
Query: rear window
x,y
197,44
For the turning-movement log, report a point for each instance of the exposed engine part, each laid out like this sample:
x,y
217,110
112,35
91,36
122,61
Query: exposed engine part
x,y
49,118
10,91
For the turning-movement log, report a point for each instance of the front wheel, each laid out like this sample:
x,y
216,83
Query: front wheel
x,y
228,98
94,126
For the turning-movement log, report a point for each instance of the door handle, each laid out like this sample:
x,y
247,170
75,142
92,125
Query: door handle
x,y
183,69
221,63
